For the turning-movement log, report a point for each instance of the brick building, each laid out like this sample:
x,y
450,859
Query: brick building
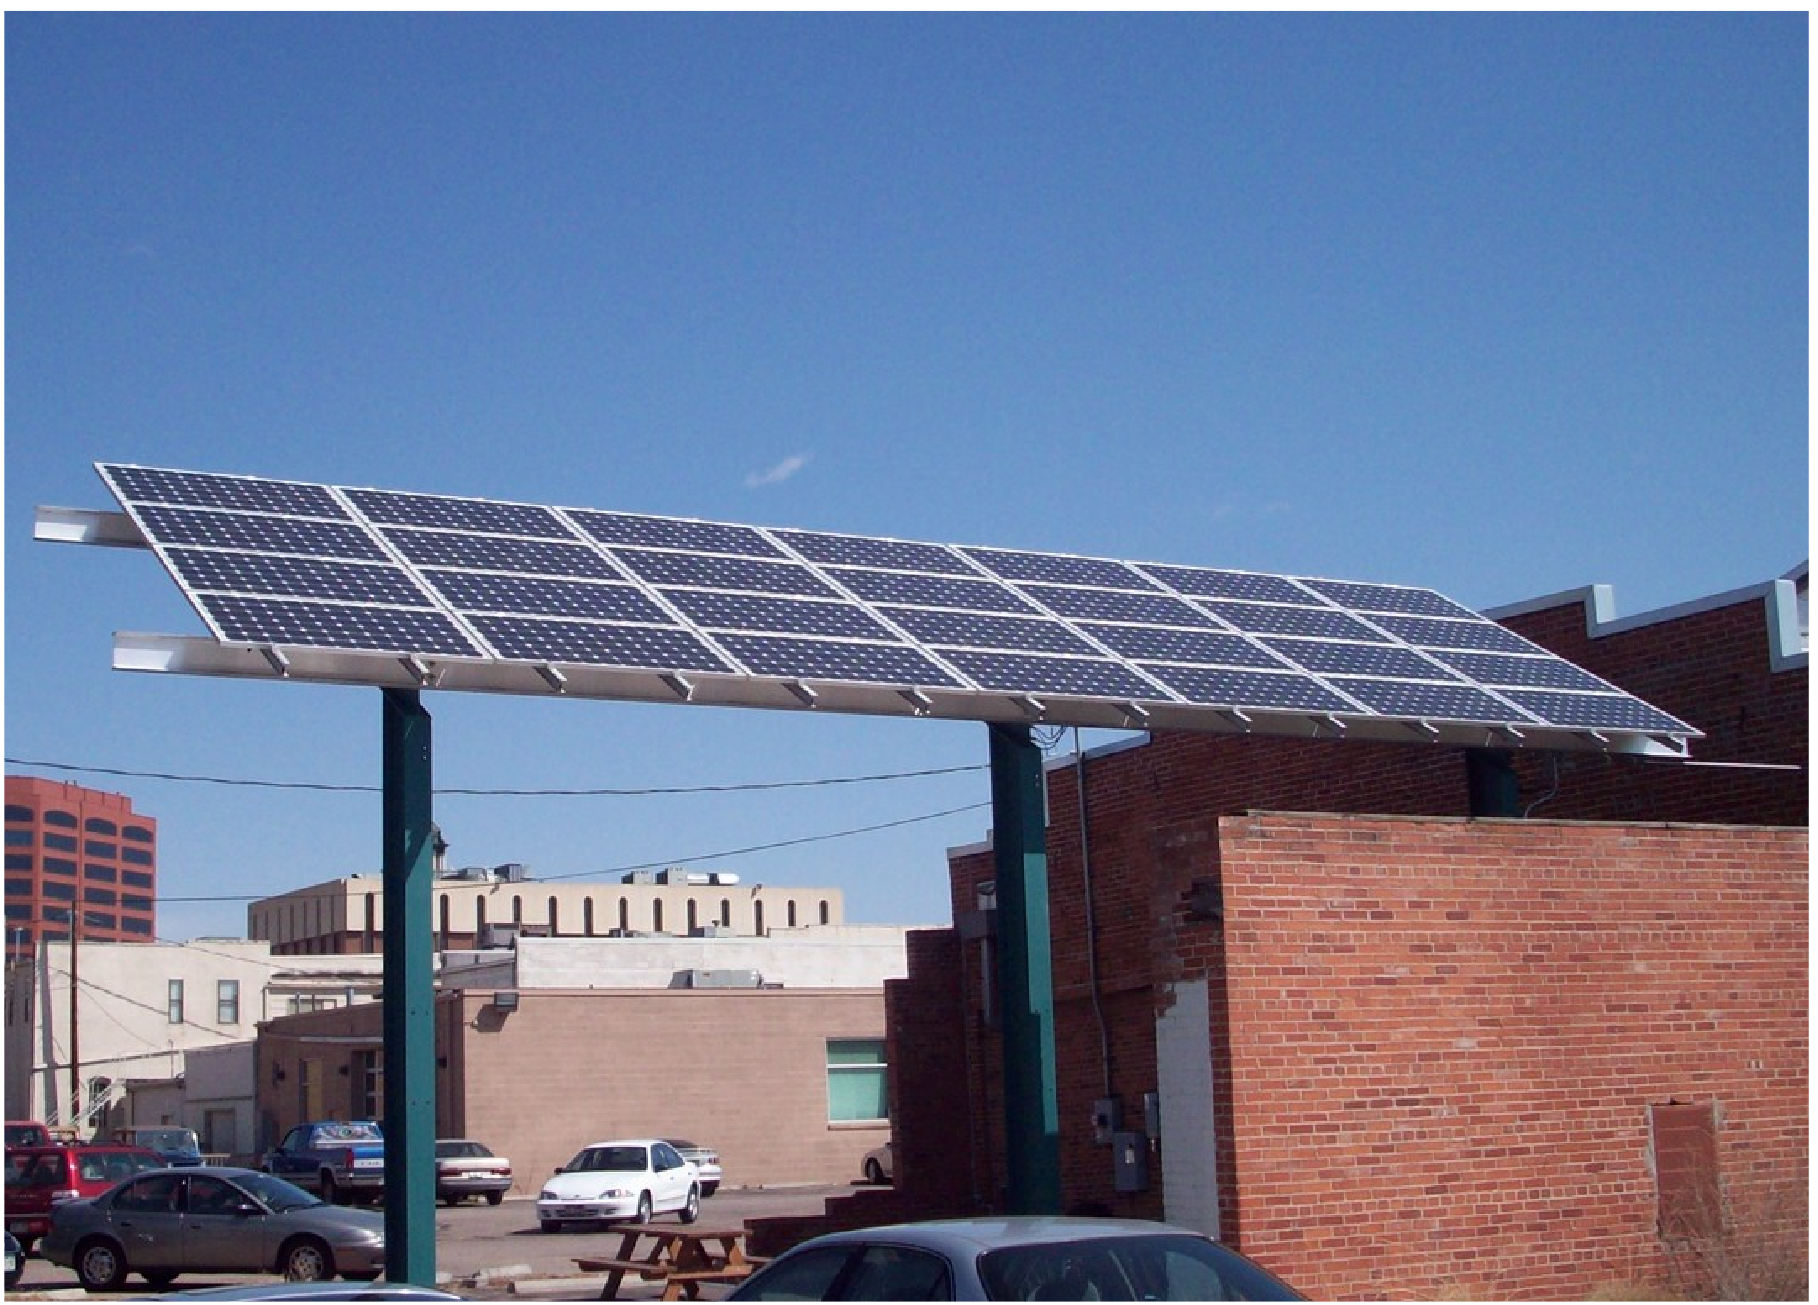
x,y
1400,1052
72,848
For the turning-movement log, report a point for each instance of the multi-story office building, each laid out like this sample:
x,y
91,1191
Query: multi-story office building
x,y
71,850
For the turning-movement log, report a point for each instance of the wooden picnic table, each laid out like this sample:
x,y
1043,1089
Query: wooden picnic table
x,y
682,1256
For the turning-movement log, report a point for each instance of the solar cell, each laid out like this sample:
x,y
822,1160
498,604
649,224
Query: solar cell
x,y
1388,660
482,591
827,659
760,612
931,591
291,621
1058,568
175,525
982,630
1147,643
858,550
1273,618
1421,701
673,532
1116,605
287,564
714,572
1226,687
299,577
499,553
523,638
1206,583
1073,676
390,508
205,489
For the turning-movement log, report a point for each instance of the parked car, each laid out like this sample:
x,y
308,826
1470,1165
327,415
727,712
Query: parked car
x,y
26,1132
39,1179
15,1261
177,1145
880,1163
706,1162
1014,1258
212,1220
287,1291
620,1180
341,1159
465,1168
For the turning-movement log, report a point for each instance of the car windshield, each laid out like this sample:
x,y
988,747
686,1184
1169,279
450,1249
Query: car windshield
x,y
460,1151
620,1159
167,1139
277,1194
1162,1266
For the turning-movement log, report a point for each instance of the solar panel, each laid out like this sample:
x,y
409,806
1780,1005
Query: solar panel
x,y
619,604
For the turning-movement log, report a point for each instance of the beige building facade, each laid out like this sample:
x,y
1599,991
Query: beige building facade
x,y
788,1084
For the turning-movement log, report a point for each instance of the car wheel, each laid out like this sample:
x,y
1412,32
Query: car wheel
x,y
874,1172
691,1209
306,1260
493,1198
100,1265
550,1225
645,1208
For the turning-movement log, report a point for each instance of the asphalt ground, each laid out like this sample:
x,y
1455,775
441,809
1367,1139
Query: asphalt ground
x,y
491,1252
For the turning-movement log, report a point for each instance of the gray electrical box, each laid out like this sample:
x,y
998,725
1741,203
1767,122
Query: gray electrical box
x,y
1107,1118
1129,1162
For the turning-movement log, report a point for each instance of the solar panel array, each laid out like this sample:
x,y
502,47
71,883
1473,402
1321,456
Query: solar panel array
x,y
285,564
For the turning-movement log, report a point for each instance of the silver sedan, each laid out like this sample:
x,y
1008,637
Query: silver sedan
x,y
1014,1258
167,1222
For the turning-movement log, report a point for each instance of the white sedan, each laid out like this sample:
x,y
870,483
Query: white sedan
x,y
615,1181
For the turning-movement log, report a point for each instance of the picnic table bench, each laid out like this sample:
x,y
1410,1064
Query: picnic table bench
x,y
680,1256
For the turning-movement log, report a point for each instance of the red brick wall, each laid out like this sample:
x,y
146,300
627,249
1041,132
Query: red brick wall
x,y
1445,1038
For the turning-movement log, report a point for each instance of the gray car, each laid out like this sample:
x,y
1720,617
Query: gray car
x,y
1015,1258
168,1222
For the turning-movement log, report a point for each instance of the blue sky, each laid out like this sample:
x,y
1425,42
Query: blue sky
x,y
1500,305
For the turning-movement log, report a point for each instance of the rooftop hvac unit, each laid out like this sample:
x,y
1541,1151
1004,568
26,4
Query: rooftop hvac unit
x,y
512,872
711,931
638,877
724,979
498,935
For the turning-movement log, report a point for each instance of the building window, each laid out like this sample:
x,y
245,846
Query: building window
x,y
227,1001
96,825
758,911
19,861
135,856
173,1001
1688,1196
857,1081
129,902
792,914
100,920
18,910
136,834
656,918
95,847
62,819
369,1084
61,865
825,913
99,896
105,873
130,925
726,911
694,922
624,915
20,838
59,892
131,878
18,813
61,842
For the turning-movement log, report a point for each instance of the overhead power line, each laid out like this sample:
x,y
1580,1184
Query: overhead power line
x,y
752,787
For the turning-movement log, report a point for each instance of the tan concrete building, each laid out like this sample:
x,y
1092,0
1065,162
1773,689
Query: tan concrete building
x,y
789,1084
472,908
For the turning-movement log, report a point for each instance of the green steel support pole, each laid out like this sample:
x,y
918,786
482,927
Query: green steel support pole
x,y
410,1080
1025,980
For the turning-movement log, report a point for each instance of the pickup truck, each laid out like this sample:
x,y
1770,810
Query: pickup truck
x,y
340,1159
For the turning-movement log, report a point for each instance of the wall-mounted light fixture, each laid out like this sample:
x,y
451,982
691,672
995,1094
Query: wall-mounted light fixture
x,y
277,1073
505,999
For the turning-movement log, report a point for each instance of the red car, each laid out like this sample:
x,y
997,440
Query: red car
x,y
39,1177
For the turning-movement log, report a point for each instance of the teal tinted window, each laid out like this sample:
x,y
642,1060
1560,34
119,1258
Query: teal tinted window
x,y
857,1080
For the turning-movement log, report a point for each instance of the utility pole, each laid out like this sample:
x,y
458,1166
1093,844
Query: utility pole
x,y
75,1054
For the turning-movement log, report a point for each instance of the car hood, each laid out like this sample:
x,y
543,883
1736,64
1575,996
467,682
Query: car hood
x,y
590,1183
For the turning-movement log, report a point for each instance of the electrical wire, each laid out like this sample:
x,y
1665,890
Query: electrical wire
x,y
754,787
